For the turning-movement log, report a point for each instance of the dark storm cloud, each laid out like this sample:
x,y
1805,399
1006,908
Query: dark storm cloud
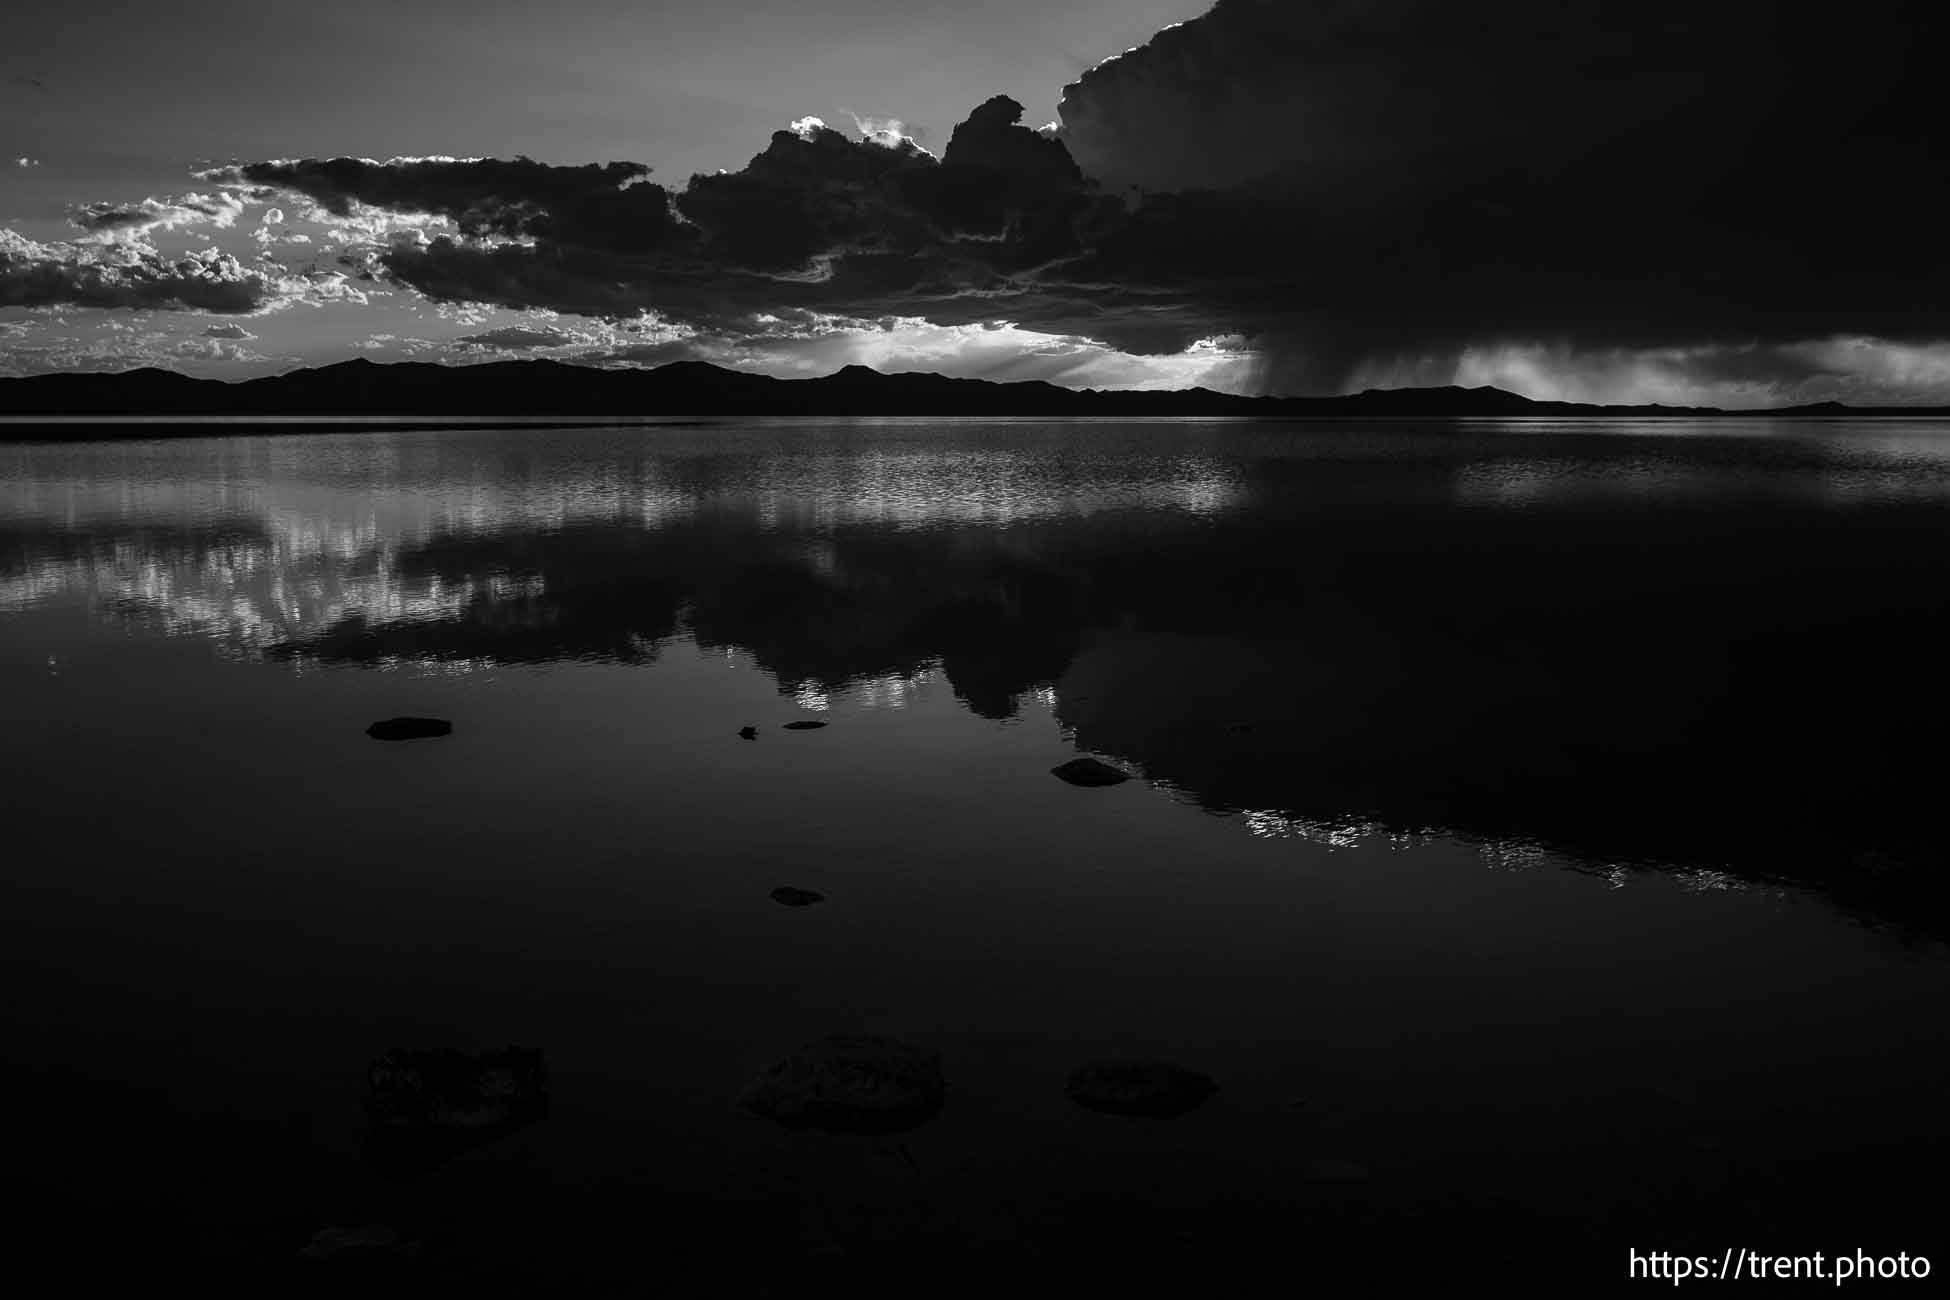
x,y
1403,177
41,275
811,192
608,206
867,226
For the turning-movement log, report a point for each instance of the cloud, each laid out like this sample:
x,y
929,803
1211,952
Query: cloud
x,y
887,132
1853,369
314,288
801,343
227,332
1580,196
128,273
138,220
520,337
27,162
999,351
815,220
124,275
123,343
1364,184
213,349
813,192
608,206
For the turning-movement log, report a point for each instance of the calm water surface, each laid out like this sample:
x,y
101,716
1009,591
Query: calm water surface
x,y
1537,830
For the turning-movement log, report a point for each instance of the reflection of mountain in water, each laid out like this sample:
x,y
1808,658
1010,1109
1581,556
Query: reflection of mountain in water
x,y
1718,679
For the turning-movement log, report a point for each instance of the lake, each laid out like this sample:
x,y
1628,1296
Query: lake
x,y
1535,829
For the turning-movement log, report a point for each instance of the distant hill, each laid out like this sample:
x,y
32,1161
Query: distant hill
x,y
694,388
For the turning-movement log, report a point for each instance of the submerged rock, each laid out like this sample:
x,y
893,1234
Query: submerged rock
x,y
1337,1171
409,728
373,1241
804,724
748,733
1089,771
428,1107
792,896
450,1089
1152,1089
857,1084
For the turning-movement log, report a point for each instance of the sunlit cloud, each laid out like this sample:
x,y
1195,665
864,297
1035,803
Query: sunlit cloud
x,y
802,344
887,132
126,274
518,338
137,221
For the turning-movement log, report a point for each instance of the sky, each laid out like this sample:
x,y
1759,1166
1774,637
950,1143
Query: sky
x,y
1585,199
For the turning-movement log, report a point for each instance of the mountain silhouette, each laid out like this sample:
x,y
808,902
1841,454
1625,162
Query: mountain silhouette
x,y
361,388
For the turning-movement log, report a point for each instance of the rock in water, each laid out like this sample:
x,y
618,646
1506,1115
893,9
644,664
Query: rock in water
x,y
1336,1171
805,724
1152,1089
855,1084
1088,771
792,896
374,1241
409,728
748,733
449,1089
428,1107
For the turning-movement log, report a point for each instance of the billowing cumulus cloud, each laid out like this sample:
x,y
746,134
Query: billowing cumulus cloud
x,y
228,332
126,275
213,349
817,220
516,338
888,132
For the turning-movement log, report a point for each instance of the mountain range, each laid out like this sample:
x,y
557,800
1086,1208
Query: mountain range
x,y
360,388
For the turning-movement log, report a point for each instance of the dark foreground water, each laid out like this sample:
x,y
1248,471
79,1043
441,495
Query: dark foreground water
x,y
1539,836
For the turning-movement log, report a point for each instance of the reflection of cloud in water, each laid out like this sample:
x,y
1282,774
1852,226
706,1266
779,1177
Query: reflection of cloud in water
x,y
245,587
329,518
1512,855
889,690
1311,634
1269,824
